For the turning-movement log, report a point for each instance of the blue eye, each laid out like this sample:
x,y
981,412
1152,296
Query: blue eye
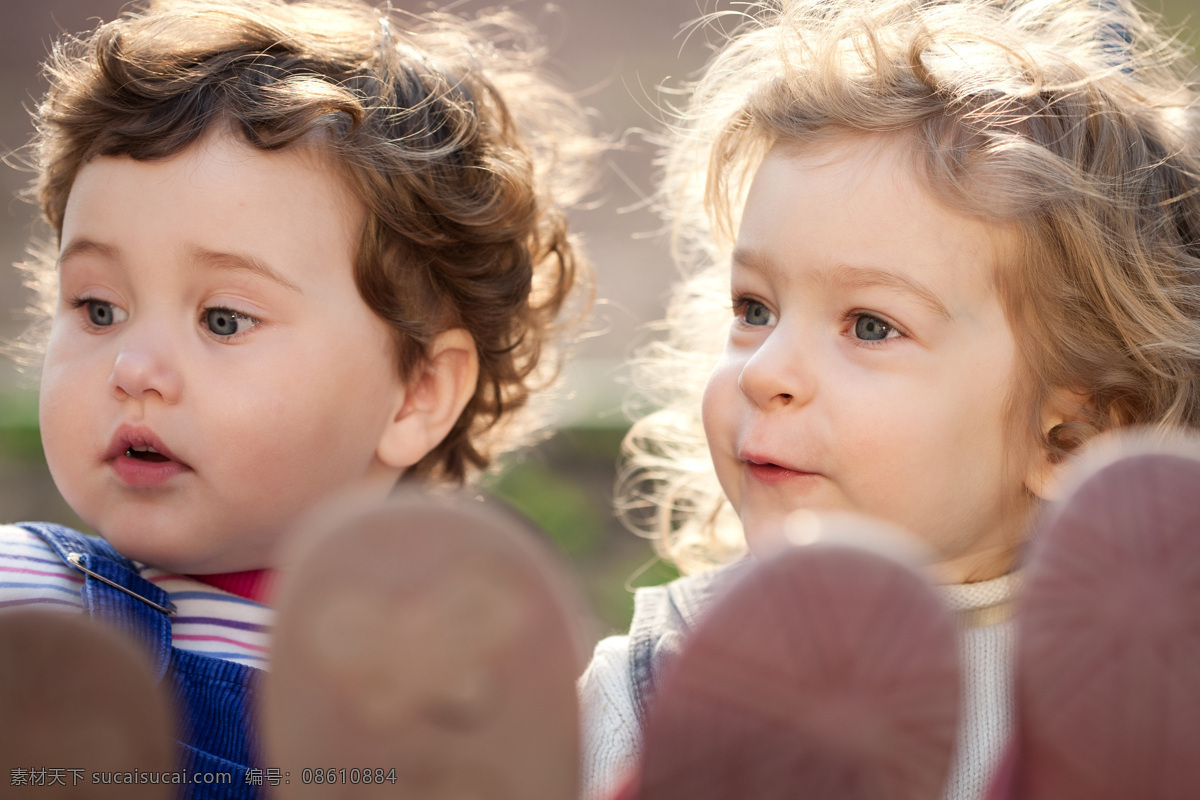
x,y
755,313
871,329
102,314
227,322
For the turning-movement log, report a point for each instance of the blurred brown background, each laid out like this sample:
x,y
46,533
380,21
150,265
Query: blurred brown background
x,y
613,53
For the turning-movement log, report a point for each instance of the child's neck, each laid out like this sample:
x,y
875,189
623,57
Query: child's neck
x,y
255,584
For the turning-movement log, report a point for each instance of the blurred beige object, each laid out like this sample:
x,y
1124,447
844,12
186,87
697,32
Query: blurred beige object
x,y
82,716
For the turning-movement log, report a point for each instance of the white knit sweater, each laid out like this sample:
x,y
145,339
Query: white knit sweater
x,y
612,740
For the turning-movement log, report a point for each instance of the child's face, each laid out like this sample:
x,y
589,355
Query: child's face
x,y
869,359
208,310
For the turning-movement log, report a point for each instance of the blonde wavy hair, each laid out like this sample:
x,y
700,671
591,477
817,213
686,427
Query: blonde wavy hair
x,y
1077,120
462,152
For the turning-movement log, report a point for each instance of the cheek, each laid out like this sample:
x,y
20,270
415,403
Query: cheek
x,y
716,402
65,419
67,391
319,424
273,425
944,454
885,423
76,367
904,449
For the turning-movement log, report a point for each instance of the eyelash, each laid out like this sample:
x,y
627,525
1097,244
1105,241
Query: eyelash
x,y
739,307
254,322
82,301
852,317
849,318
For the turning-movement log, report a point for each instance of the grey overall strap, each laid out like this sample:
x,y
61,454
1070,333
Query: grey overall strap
x,y
662,617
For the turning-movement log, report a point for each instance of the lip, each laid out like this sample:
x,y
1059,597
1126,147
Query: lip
x,y
135,473
768,470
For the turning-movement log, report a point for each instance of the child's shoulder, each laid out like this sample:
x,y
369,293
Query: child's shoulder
x,y
608,719
33,575
678,605
662,612
207,619
616,681
662,616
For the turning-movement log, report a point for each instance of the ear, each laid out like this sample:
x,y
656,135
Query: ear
x,y
432,400
1043,476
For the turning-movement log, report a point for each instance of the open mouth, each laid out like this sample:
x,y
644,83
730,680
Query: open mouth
x,y
139,460
147,454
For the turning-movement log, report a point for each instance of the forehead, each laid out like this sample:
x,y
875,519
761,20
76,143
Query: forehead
x,y
857,206
220,194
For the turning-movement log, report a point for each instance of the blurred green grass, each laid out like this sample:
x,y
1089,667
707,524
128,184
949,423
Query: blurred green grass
x,y
565,487
20,438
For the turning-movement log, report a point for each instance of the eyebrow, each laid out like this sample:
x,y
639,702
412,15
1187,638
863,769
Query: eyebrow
x,y
241,262
862,277
852,277
238,262
79,246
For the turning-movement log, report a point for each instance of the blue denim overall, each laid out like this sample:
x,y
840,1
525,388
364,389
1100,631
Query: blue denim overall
x,y
216,699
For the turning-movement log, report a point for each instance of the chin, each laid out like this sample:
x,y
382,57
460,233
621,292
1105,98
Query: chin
x,y
764,537
152,549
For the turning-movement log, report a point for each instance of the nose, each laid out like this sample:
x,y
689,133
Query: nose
x,y
779,373
144,368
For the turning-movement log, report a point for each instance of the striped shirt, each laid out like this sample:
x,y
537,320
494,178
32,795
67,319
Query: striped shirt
x,y
207,620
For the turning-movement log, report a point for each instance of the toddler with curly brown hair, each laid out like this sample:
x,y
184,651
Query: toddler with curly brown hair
x,y
300,250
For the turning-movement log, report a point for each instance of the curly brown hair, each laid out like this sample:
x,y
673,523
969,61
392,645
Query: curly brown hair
x,y
462,154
